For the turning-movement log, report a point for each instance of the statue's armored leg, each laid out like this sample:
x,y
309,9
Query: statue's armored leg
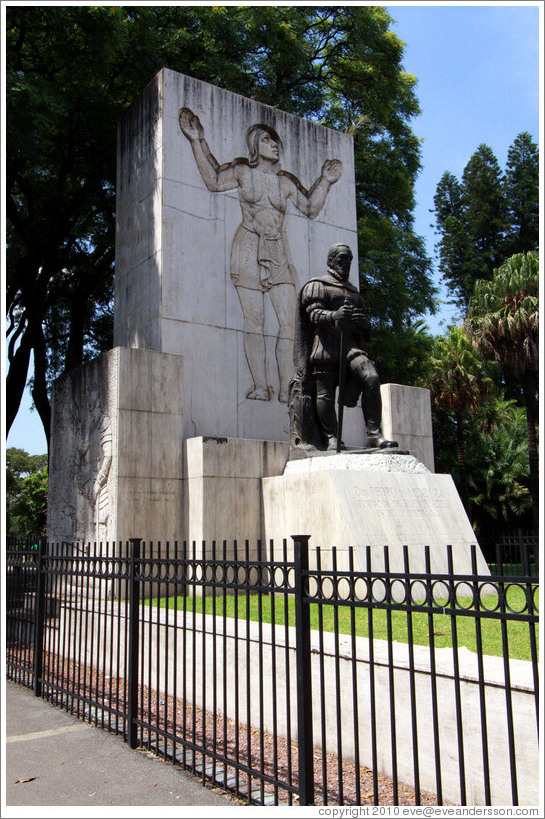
x,y
371,402
326,383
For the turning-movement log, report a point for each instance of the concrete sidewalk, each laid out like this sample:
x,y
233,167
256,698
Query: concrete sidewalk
x,y
73,763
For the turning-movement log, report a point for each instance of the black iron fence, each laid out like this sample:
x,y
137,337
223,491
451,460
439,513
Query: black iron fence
x,y
286,683
511,551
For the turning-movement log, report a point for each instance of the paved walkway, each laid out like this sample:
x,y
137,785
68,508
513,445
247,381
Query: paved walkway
x,y
69,762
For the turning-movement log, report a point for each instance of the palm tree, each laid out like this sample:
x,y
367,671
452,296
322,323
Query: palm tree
x,y
459,381
503,321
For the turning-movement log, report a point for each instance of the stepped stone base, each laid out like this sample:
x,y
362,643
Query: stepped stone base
x,y
371,500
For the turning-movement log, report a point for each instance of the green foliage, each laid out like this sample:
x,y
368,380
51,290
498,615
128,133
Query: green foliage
x,y
72,70
499,476
401,355
522,195
503,321
458,377
503,316
460,381
26,493
486,216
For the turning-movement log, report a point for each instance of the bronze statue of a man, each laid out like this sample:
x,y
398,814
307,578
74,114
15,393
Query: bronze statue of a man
x,y
331,329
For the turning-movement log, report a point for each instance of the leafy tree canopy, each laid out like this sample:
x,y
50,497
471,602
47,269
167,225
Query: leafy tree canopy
x,y
460,382
487,215
26,493
71,70
503,315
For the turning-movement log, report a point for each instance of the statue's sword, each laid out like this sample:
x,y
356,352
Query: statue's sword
x,y
342,379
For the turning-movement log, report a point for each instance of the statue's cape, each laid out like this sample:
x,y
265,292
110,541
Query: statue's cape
x,y
304,330
304,339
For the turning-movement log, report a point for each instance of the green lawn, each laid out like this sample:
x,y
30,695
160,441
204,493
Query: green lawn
x,y
244,606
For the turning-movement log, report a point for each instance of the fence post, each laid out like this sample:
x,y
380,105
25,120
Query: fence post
x,y
39,620
304,673
134,633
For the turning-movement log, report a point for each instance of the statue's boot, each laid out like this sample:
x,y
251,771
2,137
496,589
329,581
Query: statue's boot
x,y
332,443
375,438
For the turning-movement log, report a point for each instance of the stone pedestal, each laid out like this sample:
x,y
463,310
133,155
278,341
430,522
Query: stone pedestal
x,y
376,500
222,498
120,466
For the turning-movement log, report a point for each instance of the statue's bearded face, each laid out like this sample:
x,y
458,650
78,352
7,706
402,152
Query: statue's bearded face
x,y
340,261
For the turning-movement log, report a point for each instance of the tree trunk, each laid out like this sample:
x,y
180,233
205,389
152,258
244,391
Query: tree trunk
x,y
39,389
531,421
460,450
74,350
16,378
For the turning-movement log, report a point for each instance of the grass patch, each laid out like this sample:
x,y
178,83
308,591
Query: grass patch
x,y
250,606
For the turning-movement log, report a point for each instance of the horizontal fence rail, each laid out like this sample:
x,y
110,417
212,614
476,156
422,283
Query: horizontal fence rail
x,y
289,675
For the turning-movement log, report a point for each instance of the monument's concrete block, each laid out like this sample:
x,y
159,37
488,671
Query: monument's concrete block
x,y
116,450
222,495
406,418
376,499
225,208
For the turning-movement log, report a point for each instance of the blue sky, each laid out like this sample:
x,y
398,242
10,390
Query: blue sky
x,y
478,81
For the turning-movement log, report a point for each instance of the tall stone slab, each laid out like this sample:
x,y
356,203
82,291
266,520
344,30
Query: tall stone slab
x,y
214,239
406,418
116,452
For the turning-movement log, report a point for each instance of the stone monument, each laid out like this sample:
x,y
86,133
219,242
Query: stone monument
x,y
226,208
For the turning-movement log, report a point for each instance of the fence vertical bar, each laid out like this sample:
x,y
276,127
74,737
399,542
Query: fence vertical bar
x,y
134,599
531,626
433,678
480,667
412,679
39,619
355,709
304,675
273,668
391,675
337,662
321,655
288,666
456,669
502,601
372,690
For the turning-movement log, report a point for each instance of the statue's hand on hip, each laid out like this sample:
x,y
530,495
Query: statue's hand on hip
x,y
361,319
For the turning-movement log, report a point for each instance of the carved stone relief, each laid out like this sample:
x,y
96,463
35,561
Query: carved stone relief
x,y
260,261
94,462
81,505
